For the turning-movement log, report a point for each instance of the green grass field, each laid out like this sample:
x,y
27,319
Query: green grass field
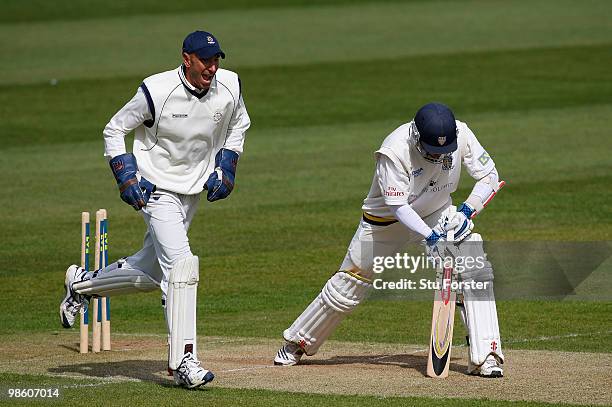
x,y
324,83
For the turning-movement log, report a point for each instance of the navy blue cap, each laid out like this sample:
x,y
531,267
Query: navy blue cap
x,y
203,44
437,128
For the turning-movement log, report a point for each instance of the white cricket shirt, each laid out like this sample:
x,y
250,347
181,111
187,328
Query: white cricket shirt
x,y
403,176
179,130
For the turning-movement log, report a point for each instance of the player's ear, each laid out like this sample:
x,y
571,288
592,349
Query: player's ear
x,y
186,60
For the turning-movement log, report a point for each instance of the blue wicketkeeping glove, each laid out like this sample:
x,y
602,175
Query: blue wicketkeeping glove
x,y
221,182
133,192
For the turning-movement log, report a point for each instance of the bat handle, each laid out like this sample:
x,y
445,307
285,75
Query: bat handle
x,y
499,186
450,236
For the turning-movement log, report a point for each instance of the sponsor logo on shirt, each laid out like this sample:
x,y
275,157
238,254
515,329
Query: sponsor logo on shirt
x,y
217,116
484,158
418,172
392,191
179,115
434,187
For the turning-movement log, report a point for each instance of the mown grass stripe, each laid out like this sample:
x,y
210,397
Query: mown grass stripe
x,y
364,33
15,11
338,93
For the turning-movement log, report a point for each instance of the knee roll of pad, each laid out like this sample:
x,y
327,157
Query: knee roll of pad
x,y
343,292
340,295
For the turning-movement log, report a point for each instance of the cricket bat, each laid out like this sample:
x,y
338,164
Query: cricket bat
x,y
443,318
442,322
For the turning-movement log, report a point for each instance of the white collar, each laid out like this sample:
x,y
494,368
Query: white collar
x,y
187,84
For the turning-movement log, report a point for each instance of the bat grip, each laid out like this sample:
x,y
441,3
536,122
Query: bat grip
x,y
450,236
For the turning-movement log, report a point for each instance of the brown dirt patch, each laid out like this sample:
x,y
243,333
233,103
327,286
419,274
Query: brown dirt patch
x,y
340,368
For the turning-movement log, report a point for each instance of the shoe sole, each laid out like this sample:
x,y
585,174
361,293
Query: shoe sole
x,y
493,375
284,364
64,321
475,371
208,377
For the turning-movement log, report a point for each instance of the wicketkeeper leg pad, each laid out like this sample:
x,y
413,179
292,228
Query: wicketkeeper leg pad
x,y
339,297
181,309
115,279
480,312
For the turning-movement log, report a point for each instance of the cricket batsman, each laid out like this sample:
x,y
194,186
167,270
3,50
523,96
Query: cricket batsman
x,y
417,168
189,128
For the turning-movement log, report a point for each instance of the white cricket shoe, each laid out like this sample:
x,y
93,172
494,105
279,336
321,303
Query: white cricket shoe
x,y
72,302
288,355
190,374
490,368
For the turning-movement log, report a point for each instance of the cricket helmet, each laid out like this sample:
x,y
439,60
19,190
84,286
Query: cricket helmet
x,y
436,131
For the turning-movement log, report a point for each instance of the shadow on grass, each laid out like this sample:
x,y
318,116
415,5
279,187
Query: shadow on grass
x,y
154,371
406,361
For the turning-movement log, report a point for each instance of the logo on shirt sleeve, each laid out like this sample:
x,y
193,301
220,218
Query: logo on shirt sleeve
x,y
392,191
484,158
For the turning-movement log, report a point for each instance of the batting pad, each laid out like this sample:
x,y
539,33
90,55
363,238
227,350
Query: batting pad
x,y
117,278
483,330
479,313
340,295
181,309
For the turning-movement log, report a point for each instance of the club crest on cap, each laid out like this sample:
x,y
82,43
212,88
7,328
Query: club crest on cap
x,y
210,40
441,140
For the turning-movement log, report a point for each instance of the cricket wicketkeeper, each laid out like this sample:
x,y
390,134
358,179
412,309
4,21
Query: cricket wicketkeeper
x,y
189,127
417,168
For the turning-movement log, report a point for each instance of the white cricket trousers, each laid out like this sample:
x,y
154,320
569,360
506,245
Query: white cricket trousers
x,y
168,216
371,241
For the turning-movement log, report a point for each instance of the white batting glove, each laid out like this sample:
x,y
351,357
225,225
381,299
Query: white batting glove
x,y
457,220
